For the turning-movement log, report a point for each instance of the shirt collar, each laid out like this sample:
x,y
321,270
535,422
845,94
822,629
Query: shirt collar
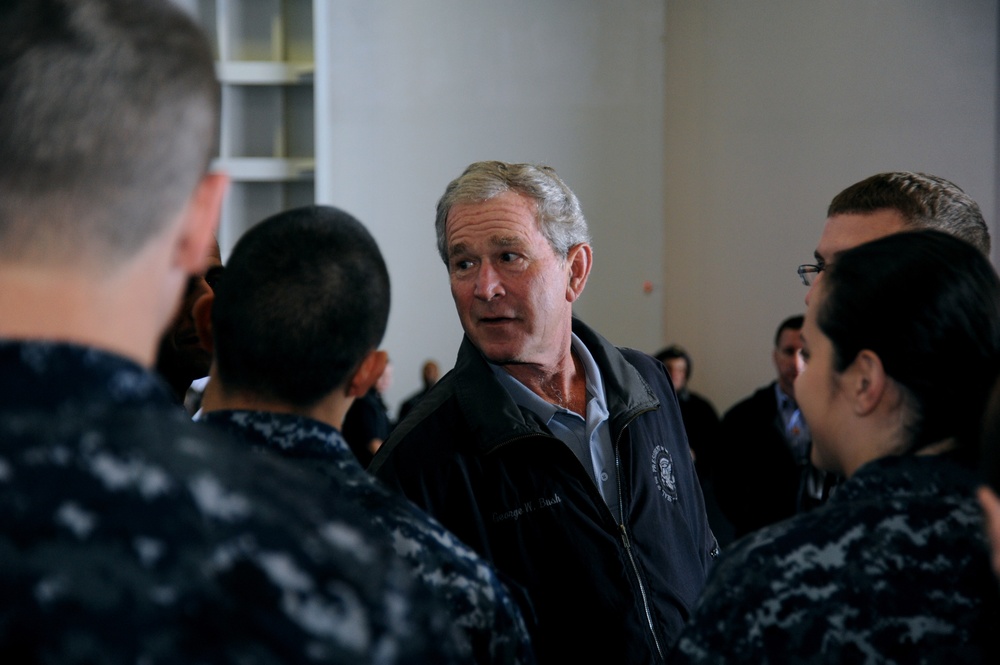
x,y
527,399
291,435
44,374
785,402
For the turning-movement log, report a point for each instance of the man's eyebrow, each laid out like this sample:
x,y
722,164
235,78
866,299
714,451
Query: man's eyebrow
x,y
505,241
502,241
819,257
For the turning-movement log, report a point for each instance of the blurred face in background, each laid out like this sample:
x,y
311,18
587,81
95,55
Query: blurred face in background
x,y
787,360
677,368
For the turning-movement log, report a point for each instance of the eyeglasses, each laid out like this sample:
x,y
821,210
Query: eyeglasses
x,y
808,272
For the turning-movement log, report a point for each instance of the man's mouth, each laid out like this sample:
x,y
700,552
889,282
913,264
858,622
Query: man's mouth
x,y
494,320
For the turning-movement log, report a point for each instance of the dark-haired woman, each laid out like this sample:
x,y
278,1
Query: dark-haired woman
x,y
902,343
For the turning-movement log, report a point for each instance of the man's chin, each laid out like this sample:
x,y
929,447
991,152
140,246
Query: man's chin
x,y
497,354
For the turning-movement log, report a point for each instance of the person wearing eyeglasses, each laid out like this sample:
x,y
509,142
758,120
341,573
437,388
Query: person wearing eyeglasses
x,y
890,202
894,568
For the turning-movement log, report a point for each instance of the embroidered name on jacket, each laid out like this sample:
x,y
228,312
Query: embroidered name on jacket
x,y
527,507
663,473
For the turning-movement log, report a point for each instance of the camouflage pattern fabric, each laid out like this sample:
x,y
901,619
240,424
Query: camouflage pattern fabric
x,y
489,626
130,535
893,569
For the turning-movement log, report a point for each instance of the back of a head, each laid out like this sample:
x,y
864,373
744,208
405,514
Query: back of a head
x,y
924,201
110,115
304,299
928,304
560,217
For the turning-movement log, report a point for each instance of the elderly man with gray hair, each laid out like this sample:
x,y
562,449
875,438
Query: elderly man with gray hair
x,y
557,456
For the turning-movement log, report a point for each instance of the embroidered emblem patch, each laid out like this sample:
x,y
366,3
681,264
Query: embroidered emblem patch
x,y
663,472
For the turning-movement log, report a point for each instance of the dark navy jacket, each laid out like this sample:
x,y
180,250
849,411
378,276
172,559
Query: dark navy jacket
x,y
493,474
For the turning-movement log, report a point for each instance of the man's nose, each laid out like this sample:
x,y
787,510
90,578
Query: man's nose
x,y
812,287
487,282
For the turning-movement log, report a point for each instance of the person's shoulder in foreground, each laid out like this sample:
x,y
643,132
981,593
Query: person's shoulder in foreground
x,y
129,533
852,580
486,621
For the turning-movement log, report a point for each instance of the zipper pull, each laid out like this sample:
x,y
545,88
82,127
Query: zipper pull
x,y
625,536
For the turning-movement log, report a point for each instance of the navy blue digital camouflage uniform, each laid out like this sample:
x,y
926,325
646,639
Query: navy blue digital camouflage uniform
x,y
130,535
893,569
488,622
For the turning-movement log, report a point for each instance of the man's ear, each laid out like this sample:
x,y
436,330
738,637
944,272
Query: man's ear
x,y
991,513
865,382
579,259
202,314
367,373
201,218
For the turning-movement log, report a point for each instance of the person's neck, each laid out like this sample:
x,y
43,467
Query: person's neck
x,y
563,383
329,410
123,313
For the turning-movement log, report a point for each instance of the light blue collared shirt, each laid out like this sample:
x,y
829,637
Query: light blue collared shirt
x,y
590,438
796,429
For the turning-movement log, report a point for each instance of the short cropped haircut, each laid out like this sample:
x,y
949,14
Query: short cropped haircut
x,y
559,216
304,298
924,201
673,352
109,113
928,304
791,323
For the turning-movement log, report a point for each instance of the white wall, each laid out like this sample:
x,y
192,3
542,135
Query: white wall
x,y
775,106
704,137
421,89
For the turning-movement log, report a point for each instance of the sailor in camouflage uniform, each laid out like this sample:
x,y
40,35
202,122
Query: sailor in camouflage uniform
x,y
129,534
894,568
295,323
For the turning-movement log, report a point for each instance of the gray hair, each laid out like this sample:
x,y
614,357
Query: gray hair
x,y
110,117
924,201
559,216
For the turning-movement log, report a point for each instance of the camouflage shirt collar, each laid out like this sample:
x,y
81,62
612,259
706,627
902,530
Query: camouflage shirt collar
x,y
287,434
51,375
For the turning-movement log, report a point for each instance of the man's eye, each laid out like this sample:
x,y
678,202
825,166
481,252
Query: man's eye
x,y
214,276
461,265
507,257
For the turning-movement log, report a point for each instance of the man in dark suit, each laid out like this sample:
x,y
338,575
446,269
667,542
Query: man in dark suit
x,y
762,472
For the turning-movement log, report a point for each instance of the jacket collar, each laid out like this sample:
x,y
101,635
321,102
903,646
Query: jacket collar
x,y
493,417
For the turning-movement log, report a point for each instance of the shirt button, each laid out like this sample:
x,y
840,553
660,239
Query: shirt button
x,y
604,476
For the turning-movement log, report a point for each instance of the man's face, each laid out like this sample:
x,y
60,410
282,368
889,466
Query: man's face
x,y
787,360
846,231
181,351
819,394
677,369
511,290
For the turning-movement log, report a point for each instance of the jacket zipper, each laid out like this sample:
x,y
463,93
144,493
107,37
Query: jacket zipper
x,y
621,525
628,546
